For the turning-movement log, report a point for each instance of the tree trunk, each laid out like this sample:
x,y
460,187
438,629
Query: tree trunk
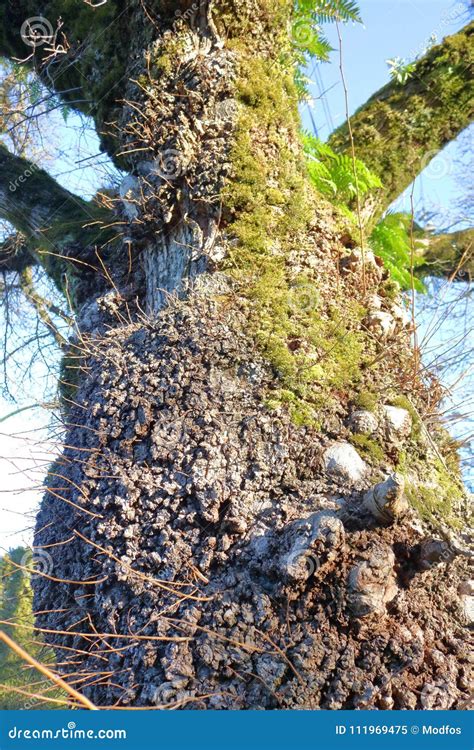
x,y
246,379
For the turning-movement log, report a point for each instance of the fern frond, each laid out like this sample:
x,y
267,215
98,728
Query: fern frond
x,y
326,11
390,240
341,171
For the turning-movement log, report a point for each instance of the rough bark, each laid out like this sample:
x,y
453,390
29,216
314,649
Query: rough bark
x,y
401,128
208,518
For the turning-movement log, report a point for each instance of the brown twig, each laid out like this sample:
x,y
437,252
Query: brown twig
x,y
46,672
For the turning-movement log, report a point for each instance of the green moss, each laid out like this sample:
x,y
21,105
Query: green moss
x,y
366,400
404,403
301,413
170,54
400,125
369,448
391,290
439,496
269,204
98,42
441,500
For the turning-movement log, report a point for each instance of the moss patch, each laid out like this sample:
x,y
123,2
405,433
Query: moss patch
x,y
366,400
269,203
404,403
438,496
369,448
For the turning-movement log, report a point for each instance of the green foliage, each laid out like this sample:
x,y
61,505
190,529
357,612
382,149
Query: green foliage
x,y
401,70
333,174
390,240
16,606
307,40
335,10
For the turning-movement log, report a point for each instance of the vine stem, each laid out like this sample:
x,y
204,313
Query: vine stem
x,y
412,281
353,156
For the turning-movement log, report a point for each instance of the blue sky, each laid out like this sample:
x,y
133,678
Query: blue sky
x,y
391,28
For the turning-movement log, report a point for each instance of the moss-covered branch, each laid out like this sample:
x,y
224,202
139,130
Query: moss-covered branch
x,y
44,308
402,127
449,255
46,214
74,47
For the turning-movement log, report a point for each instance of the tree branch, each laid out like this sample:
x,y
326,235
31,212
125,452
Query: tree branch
x,y
67,47
449,255
42,306
402,127
56,224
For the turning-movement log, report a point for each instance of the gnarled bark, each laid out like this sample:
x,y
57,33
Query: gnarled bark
x,y
209,540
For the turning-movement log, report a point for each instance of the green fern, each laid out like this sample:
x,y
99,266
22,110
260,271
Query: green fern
x,y
307,39
333,174
336,10
306,36
391,241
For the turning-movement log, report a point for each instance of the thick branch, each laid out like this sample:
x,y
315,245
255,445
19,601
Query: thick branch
x,y
48,215
448,255
67,45
402,127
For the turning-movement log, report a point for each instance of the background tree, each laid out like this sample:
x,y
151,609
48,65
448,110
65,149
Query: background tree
x,y
20,686
249,511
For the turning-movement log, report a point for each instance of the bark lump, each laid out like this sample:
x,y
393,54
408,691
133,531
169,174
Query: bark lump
x,y
208,519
